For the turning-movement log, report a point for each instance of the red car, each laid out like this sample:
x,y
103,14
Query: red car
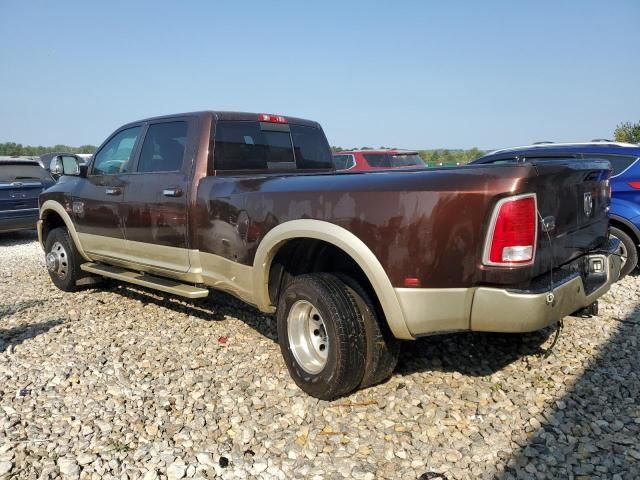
x,y
387,159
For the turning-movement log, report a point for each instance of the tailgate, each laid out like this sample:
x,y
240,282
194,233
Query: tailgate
x,y
573,200
15,197
21,182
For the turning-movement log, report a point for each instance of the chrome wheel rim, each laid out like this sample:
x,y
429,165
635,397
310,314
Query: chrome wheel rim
x,y
307,336
622,251
58,260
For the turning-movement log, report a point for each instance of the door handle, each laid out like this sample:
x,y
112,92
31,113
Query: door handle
x,y
113,191
172,192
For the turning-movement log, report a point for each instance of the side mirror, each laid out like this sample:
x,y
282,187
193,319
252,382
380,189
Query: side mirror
x,y
56,167
65,165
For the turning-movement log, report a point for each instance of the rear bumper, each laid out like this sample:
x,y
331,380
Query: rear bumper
x,y
486,309
496,310
16,223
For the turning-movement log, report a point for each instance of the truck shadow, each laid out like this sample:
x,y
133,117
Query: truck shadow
x,y
12,239
594,430
10,309
216,307
470,353
15,336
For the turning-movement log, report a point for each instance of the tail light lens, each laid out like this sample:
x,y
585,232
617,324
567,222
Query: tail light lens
x,y
635,185
513,232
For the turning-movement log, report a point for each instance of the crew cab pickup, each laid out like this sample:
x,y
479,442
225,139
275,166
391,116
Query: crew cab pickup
x,y
350,262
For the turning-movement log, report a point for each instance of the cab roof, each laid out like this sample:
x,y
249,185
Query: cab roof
x,y
226,115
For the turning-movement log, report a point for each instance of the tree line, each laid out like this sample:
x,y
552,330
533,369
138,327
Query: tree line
x,y
627,132
17,149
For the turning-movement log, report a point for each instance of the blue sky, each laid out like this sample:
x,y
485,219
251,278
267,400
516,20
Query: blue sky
x,y
414,74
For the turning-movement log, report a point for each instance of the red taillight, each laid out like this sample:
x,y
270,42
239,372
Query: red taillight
x,y
266,117
512,237
635,185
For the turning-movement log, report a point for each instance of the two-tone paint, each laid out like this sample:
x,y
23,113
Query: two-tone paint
x,y
224,229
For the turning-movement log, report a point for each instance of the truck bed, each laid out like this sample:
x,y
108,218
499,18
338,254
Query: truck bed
x,y
426,224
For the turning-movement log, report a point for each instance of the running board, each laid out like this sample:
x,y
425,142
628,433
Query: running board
x,y
146,280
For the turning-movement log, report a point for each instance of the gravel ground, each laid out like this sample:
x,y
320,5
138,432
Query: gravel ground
x,y
119,383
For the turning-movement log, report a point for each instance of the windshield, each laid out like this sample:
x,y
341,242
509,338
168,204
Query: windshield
x,y
387,160
20,172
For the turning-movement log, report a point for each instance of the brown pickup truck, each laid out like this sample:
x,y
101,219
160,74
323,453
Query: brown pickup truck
x,y
350,262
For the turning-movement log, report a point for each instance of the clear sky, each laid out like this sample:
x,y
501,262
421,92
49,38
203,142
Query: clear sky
x,y
413,74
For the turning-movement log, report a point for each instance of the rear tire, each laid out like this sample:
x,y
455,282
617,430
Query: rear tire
x,y
629,251
63,260
382,348
321,335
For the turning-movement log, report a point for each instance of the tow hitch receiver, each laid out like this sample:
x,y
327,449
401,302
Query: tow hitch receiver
x,y
588,311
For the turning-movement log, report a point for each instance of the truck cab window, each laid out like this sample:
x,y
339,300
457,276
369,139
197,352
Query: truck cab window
x,y
243,145
115,157
311,148
163,147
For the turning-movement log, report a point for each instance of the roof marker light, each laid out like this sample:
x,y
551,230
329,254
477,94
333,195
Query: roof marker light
x,y
267,117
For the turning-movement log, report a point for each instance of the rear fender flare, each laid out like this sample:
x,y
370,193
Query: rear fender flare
x,y
342,239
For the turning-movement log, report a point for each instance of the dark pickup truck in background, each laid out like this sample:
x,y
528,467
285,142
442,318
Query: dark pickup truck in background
x,y
350,262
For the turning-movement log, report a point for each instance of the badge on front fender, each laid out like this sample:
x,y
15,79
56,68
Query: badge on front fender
x,y
78,208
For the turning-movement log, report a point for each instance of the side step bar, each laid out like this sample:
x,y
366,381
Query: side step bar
x,y
146,280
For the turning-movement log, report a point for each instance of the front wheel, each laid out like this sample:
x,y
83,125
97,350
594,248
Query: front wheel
x,y
321,335
62,259
628,251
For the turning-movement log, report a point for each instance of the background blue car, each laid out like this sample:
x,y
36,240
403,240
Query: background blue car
x,y
625,183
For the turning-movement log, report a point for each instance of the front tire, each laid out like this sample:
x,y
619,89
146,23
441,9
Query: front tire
x,y
63,260
628,251
321,335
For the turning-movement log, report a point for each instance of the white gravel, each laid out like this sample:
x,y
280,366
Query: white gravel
x,y
121,383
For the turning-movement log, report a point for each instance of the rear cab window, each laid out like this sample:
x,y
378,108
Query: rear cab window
x,y
311,149
260,146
